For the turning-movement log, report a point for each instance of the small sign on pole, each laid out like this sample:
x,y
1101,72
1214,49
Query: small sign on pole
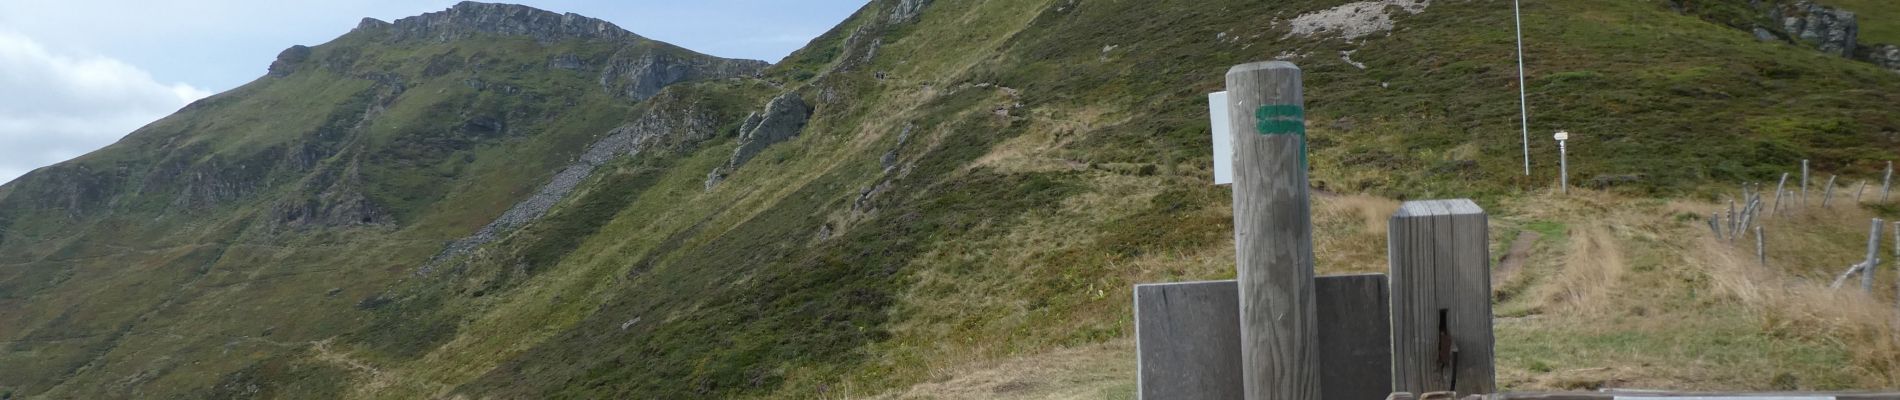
x,y
1563,161
1223,138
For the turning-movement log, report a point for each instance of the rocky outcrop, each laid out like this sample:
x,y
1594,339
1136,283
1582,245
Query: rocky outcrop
x,y
905,11
288,60
640,73
783,119
665,125
1884,55
1830,30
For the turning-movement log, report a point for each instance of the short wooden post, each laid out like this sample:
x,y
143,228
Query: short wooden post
x,y
1779,189
1804,183
1273,232
1873,257
1828,194
1441,298
1187,339
1887,187
1761,250
1731,219
1715,224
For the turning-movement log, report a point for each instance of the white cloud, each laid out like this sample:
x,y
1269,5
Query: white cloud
x,y
57,106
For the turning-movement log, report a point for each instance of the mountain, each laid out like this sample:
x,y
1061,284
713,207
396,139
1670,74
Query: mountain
x,y
494,201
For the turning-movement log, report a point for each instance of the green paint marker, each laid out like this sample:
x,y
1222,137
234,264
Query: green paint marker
x,y
1282,119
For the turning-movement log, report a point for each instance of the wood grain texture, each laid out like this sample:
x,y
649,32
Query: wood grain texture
x,y
1354,338
1273,232
1188,339
1441,298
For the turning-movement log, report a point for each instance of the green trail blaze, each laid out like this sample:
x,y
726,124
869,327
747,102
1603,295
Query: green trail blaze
x,y
1282,119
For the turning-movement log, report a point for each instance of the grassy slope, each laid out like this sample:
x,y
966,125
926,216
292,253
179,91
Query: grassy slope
x,y
148,302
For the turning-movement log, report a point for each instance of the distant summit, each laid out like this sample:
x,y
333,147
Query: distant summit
x,y
469,18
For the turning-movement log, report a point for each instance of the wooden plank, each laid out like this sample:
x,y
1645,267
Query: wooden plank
x,y
1441,298
1355,355
1273,232
1187,339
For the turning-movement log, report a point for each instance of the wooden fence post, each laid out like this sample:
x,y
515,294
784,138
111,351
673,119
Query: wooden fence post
x,y
1441,298
1804,183
1779,189
1761,250
1887,187
1873,257
1829,192
1273,232
1862,190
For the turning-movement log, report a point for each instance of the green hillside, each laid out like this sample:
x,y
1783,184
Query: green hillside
x,y
978,185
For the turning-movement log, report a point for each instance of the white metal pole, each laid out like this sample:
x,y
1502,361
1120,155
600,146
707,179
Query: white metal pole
x,y
1523,101
1563,162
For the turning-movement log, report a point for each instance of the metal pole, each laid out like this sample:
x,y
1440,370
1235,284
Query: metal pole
x,y
1273,233
1523,100
1887,188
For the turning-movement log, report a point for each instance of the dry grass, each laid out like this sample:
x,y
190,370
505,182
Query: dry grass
x,y
1805,308
1593,267
1094,372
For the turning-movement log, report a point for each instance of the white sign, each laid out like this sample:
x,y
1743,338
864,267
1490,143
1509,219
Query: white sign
x,y
1223,138
1561,136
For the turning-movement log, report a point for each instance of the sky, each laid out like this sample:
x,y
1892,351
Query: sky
x,y
76,75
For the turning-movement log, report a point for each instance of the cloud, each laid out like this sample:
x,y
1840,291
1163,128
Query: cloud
x,y
59,106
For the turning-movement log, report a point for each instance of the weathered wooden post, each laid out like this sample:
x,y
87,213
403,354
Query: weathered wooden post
x,y
1829,192
1273,232
1873,257
1886,188
1804,183
1779,189
1731,219
1441,298
1761,249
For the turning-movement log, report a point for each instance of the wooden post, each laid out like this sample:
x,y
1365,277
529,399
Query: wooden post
x,y
1187,339
1761,250
1779,189
1873,257
1441,298
1804,183
1715,224
1731,219
1887,184
1861,191
1828,196
1273,232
